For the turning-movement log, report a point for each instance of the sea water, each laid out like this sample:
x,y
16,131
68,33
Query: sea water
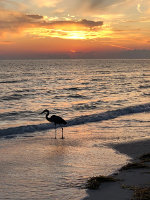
x,y
103,101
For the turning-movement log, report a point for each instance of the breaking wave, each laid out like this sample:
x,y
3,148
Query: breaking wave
x,y
78,120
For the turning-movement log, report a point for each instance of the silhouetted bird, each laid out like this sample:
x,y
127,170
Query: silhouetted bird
x,y
56,120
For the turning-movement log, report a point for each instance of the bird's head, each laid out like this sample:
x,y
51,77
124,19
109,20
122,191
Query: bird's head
x,y
45,111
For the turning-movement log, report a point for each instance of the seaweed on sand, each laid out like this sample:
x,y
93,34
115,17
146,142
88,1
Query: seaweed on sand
x,y
141,193
94,182
134,165
145,157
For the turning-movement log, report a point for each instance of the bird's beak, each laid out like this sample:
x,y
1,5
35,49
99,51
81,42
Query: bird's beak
x,y
42,112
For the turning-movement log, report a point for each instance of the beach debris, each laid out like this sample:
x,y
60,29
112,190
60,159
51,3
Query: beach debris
x,y
134,165
140,193
145,157
94,182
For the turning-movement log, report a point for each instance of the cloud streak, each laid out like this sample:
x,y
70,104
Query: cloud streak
x,y
99,4
5,42
13,21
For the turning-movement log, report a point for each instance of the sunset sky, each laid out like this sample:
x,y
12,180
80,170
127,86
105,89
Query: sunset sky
x,y
65,27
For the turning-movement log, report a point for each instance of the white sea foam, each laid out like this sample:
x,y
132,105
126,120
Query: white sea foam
x,y
78,120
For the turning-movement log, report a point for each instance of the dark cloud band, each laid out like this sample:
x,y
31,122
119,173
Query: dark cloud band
x,y
84,22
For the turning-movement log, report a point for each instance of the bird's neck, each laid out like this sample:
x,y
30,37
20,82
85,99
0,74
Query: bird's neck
x,y
47,115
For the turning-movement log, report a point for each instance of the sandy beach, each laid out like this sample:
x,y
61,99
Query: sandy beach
x,y
131,180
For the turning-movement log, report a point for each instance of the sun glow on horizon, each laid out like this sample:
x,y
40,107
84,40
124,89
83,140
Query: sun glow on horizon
x,y
74,34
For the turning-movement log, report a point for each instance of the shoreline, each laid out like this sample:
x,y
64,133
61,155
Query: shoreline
x,y
133,149
131,180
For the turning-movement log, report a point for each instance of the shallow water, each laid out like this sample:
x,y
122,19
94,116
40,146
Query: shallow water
x,y
44,168
112,94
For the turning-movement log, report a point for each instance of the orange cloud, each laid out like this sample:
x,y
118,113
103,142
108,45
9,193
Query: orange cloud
x,y
11,20
41,26
121,47
6,42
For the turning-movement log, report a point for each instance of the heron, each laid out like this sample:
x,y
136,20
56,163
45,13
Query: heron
x,y
56,120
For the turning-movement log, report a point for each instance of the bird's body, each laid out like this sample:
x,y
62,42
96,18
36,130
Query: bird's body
x,y
56,120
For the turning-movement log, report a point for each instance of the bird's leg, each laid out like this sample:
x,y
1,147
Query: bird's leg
x,y
62,134
55,131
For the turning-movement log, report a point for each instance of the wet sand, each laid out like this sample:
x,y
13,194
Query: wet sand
x,y
128,179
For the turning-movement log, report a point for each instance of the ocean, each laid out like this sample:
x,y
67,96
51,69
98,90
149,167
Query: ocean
x,y
103,101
